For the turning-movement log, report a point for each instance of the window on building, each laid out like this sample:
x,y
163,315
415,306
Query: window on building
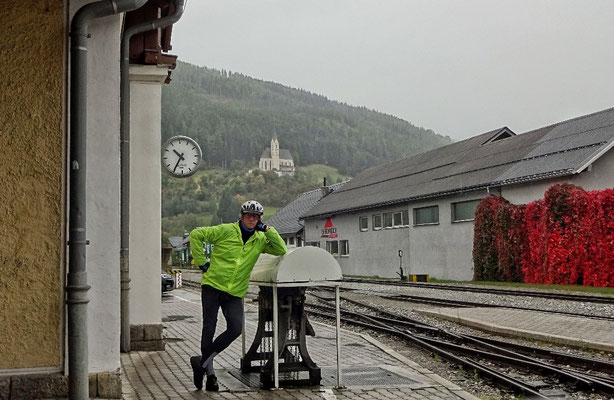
x,y
426,215
363,223
464,210
397,219
291,241
387,220
299,242
332,246
344,248
312,244
377,222
400,218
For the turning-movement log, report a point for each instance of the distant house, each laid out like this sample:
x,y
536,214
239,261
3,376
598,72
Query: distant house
x,y
287,220
275,159
425,205
181,247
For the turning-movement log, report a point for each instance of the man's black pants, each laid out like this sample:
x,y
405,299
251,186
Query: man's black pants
x,y
232,308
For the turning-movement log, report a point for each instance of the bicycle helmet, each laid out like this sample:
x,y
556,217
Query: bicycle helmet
x,y
252,207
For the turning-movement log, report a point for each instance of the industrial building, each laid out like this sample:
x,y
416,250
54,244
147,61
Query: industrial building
x,y
417,213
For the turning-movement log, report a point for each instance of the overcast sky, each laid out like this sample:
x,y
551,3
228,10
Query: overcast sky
x,y
458,67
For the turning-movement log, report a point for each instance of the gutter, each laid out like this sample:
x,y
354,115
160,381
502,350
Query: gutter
x,y
77,287
124,253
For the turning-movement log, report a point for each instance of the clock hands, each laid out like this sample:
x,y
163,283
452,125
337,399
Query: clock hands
x,y
176,165
181,158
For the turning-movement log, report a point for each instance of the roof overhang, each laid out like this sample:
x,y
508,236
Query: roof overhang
x,y
595,156
525,179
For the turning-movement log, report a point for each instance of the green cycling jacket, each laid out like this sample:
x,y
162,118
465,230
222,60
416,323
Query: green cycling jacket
x,y
232,261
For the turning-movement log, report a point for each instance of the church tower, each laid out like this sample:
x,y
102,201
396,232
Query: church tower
x,y
274,153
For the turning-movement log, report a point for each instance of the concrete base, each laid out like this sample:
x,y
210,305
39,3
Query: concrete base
x,y
146,337
44,386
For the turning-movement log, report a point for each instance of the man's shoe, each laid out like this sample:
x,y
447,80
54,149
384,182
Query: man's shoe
x,y
212,385
197,372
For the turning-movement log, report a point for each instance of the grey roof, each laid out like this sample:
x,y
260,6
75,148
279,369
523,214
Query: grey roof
x,y
284,154
286,219
561,149
178,242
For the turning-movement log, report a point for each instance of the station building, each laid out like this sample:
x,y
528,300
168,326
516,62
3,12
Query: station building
x,y
417,213
35,199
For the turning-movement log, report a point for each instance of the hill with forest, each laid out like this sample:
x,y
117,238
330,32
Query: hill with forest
x,y
233,117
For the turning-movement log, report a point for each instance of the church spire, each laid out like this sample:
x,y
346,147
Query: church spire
x,y
274,152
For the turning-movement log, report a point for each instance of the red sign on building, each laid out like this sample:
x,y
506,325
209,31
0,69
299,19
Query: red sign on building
x,y
329,231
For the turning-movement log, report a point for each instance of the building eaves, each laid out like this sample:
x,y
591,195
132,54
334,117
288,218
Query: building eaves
x,y
466,189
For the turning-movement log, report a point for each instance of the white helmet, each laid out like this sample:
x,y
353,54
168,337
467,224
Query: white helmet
x,y
252,207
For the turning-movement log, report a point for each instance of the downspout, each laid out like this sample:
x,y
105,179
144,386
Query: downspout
x,y
124,252
77,287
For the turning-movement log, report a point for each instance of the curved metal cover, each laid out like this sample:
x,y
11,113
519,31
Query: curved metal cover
x,y
302,264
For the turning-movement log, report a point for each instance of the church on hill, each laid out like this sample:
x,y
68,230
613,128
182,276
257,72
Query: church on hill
x,y
275,159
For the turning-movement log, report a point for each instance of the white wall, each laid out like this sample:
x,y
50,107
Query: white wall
x,y
371,252
102,191
601,175
145,192
443,251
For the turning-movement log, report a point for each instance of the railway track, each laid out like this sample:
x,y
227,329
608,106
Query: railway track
x,y
527,370
456,303
491,290
464,304
460,303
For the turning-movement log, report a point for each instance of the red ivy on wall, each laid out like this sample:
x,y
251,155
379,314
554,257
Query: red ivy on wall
x,y
486,240
566,238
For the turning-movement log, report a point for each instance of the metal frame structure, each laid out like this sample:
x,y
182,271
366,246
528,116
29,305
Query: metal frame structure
x,y
299,268
275,286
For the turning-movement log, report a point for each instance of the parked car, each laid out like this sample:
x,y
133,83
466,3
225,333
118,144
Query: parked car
x,y
168,283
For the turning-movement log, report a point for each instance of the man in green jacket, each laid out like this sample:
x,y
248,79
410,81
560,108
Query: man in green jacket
x,y
236,248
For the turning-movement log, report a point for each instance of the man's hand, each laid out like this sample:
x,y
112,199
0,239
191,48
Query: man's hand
x,y
260,226
205,266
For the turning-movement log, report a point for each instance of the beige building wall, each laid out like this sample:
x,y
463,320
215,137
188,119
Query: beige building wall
x,y
31,176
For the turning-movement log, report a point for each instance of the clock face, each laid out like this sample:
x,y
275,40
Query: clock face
x,y
181,156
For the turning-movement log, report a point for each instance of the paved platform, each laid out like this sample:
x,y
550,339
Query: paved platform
x,y
581,332
370,370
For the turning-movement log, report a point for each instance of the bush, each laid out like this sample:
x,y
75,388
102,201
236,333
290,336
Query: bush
x,y
567,238
485,255
511,240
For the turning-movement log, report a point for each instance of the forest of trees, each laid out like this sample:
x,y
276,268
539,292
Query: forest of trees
x,y
233,118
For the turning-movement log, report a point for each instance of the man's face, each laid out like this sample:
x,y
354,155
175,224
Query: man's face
x,y
250,220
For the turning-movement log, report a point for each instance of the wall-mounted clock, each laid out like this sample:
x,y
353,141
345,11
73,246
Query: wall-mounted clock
x,y
181,156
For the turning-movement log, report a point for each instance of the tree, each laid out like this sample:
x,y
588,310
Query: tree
x,y
228,208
